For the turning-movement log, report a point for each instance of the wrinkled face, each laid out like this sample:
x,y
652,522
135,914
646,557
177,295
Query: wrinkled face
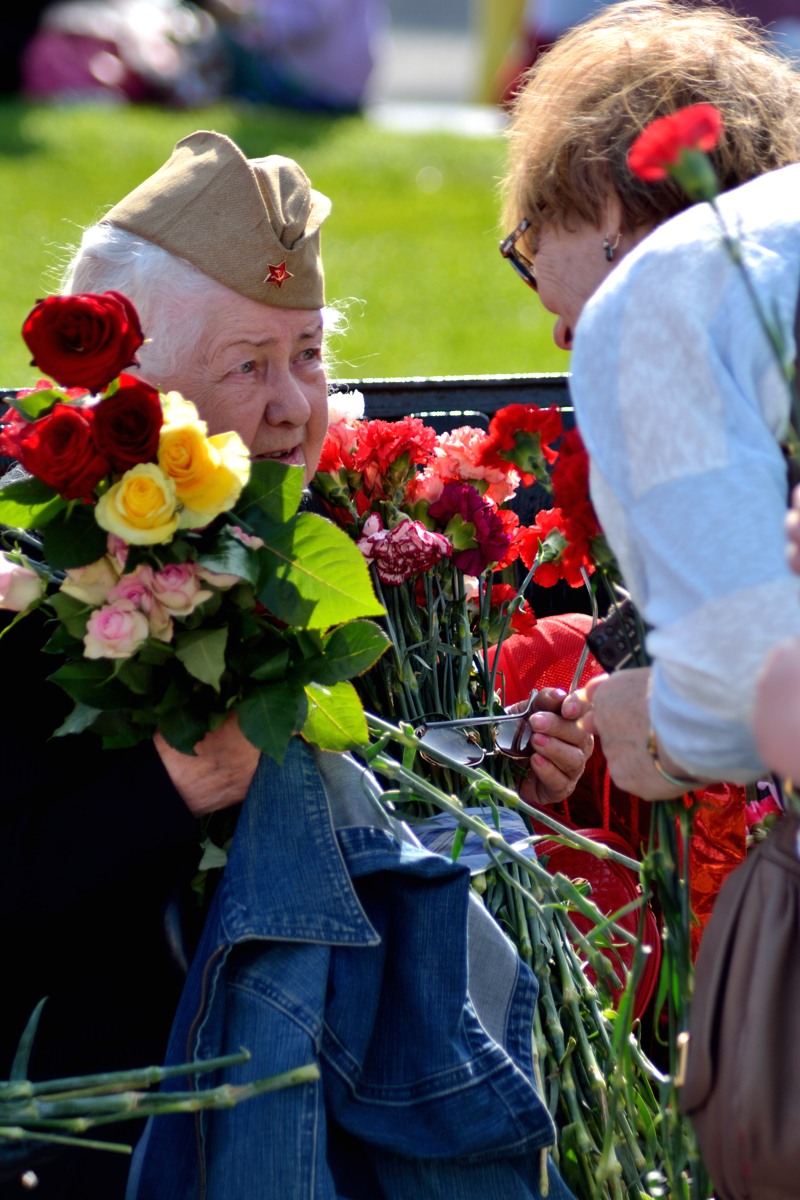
x,y
258,371
570,264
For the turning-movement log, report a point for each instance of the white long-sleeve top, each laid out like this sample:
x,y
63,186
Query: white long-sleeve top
x,y
682,406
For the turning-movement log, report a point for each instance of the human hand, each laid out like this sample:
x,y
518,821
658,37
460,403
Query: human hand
x,y
619,716
776,717
218,774
561,746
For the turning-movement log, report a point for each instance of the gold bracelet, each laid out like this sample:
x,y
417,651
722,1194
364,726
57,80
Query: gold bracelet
x,y
686,785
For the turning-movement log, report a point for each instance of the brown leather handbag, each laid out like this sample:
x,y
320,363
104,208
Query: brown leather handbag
x,y
742,1080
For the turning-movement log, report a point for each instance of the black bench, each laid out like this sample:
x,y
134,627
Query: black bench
x,y
449,400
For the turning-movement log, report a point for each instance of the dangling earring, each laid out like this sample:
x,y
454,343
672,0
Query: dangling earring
x,y
609,247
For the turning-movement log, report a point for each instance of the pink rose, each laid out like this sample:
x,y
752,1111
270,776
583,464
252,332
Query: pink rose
x,y
400,553
252,540
136,589
118,549
92,583
177,587
19,586
115,631
222,580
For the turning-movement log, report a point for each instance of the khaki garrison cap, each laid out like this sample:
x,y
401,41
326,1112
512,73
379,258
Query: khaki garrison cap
x,y
251,224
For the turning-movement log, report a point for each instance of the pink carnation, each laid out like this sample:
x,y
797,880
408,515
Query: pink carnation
x,y
400,553
457,459
115,631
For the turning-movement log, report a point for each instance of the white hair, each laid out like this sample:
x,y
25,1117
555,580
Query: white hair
x,y
170,295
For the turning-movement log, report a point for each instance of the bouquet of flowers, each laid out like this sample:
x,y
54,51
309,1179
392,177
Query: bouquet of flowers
x,y
433,516
183,581
452,561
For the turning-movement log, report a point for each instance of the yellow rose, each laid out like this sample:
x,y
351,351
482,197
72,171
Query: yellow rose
x,y
208,472
141,508
178,411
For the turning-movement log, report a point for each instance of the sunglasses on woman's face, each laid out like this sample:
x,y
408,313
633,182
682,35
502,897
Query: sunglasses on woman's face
x,y
452,739
522,265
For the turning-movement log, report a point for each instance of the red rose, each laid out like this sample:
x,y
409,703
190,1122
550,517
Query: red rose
x,y
660,146
84,340
127,424
60,450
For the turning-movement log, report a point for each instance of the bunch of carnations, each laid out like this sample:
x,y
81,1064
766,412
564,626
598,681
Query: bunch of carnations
x,y
432,515
452,561
182,579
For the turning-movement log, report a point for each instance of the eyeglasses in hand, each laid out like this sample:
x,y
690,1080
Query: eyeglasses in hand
x,y
451,739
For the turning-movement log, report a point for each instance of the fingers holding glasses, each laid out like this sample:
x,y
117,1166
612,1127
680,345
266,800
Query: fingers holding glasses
x,y
561,747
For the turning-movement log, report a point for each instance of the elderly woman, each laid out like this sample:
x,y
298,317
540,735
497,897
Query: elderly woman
x,y
676,389
333,937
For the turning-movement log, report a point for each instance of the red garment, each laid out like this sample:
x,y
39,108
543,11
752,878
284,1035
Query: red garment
x,y
548,658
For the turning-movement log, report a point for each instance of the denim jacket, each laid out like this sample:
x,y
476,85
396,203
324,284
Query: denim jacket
x,y
335,938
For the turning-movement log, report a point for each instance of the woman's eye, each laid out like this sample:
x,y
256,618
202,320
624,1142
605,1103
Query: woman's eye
x,y
247,368
309,355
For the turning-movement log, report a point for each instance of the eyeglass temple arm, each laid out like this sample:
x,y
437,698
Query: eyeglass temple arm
x,y
470,722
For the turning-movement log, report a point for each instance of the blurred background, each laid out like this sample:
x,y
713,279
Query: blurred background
x,y
395,109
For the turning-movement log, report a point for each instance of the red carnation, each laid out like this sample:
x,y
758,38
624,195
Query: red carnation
x,y
388,451
522,434
568,546
60,450
677,145
570,479
84,340
127,424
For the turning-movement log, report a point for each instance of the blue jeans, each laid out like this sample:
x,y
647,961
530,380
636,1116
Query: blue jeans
x,y
334,938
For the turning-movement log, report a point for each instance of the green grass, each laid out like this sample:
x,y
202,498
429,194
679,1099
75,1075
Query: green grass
x,y
411,242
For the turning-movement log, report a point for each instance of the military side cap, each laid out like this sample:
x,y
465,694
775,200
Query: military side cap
x,y
251,224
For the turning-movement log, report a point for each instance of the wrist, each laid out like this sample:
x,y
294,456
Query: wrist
x,y
667,769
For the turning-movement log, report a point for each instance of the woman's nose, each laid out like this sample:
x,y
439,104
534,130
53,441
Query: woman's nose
x,y
562,334
286,402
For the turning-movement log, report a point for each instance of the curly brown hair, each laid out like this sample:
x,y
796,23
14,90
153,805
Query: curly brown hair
x,y
584,101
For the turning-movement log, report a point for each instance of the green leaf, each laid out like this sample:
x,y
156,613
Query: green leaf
x,y
93,682
37,403
79,720
182,728
274,491
314,575
136,675
19,1067
273,667
72,613
28,504
270,714
352,649
213,857
335,719
228,556
202,652
74,539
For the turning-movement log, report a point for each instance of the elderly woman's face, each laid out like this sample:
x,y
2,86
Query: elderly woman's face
x,y
570,264
258,371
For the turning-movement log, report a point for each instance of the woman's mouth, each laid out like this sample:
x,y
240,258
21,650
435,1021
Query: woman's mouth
x,y
292,458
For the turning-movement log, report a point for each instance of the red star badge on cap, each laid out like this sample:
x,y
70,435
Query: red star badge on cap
x,y
278,275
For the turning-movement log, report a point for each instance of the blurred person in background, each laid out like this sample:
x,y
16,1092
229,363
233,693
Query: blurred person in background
x,y
311,55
